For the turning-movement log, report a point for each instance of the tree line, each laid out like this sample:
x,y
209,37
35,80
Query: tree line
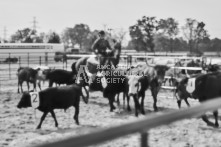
x,y
147,34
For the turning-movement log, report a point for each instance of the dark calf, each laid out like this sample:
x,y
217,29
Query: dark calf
x,y
181,92
56,98
60,76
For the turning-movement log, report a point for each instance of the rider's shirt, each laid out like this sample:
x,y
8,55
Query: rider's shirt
x,y
101,45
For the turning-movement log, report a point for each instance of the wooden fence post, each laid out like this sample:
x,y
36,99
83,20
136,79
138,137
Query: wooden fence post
x,y
40,60
144,139
28,59
129,61
19,61
46,58
9,64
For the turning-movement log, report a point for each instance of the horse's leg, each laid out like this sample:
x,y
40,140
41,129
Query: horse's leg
x,y
215,113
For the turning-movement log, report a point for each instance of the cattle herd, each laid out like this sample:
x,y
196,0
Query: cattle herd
x,y
132,81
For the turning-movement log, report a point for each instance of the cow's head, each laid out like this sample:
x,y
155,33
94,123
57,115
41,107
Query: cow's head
x,y
25,101
33,74
134,85
160,71
96,84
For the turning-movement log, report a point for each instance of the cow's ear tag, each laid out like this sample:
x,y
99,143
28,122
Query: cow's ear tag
x,y
191,85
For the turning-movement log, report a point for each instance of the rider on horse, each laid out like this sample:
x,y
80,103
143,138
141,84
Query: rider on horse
x,y
102,48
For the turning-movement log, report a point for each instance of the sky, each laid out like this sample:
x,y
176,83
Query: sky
x,y
56,15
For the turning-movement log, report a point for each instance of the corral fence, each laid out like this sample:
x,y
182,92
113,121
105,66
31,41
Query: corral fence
x,y
141,127
10,62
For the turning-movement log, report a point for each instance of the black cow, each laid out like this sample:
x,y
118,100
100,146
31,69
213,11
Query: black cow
x,y
207,86
117,82
60,76
181,93
26,74
213,68
56,98
108,85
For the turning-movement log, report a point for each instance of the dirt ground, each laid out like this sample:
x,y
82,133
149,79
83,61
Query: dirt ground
x,y
17,127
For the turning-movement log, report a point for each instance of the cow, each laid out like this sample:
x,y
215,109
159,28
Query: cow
x,y
213,68
204,87
56,98
181,93
41,74
117,82
60,76
153,77
137,87
26,74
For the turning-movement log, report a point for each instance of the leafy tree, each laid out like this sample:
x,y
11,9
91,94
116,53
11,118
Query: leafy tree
x,y
92,36
77,35
194,32
41,38
162,42
119,35
143,32
24,36
215,45
170,28
53,38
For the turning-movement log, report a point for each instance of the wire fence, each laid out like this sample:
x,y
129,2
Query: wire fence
x,y
10,62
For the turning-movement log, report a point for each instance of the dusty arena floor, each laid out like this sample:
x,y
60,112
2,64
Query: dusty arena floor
x,y
17,127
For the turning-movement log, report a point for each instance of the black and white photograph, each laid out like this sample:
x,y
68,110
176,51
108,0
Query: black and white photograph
x,y
110,73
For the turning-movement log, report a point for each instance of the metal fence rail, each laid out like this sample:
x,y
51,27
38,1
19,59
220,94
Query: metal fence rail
x,y
141,127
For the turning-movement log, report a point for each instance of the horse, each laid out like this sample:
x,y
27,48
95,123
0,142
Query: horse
x,y
91,65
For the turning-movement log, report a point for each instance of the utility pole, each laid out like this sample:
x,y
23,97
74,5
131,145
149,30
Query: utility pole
x,y
34,24
105,27
34,30
5,33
